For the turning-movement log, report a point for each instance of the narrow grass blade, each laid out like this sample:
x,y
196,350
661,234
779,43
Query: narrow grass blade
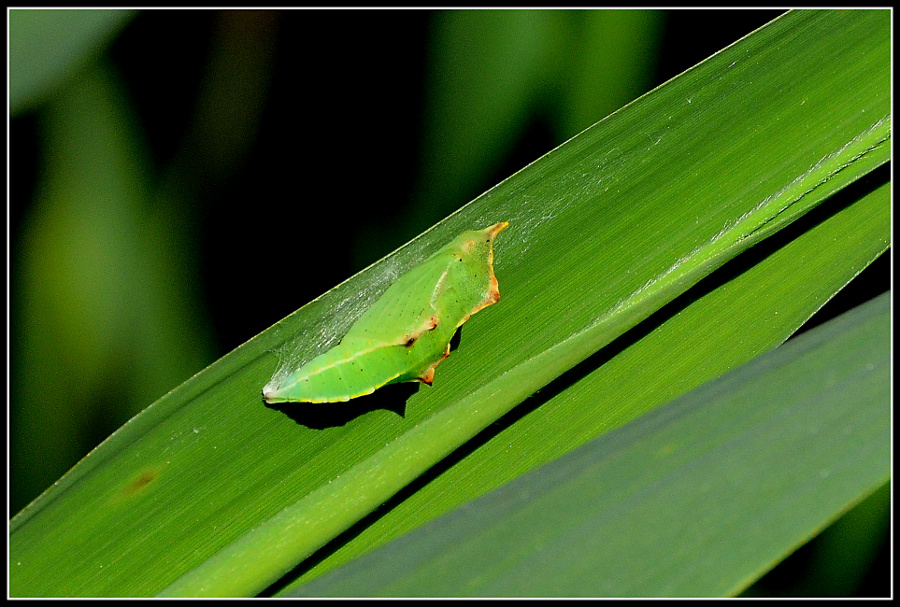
x,y
744,467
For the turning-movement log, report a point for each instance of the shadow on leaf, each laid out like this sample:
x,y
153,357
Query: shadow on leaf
x,y
318,416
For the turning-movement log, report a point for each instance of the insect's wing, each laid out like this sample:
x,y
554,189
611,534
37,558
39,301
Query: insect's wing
x,y
383,346
405,311
406,333
445,290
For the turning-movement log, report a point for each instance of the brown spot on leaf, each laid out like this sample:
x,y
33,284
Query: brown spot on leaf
x,y
142,481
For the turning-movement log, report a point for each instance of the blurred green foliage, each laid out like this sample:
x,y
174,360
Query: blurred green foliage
x,y
46,48
144,145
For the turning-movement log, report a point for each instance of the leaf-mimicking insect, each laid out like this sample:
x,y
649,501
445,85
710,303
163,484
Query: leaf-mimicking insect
x,y
407,332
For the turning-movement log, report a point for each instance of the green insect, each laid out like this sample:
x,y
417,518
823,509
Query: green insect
x,y
407,332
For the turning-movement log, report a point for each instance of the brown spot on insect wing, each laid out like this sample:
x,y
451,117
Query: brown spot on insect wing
x,y
430,324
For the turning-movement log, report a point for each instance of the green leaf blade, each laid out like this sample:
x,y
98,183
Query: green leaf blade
x,y
601,520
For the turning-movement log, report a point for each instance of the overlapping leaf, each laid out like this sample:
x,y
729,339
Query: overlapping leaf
x,y
602,520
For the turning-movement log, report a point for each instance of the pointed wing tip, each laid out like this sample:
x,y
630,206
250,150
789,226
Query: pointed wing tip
x,y
428,376
497,228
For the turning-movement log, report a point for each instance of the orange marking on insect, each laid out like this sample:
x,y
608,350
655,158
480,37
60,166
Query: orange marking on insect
x,y
430,324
